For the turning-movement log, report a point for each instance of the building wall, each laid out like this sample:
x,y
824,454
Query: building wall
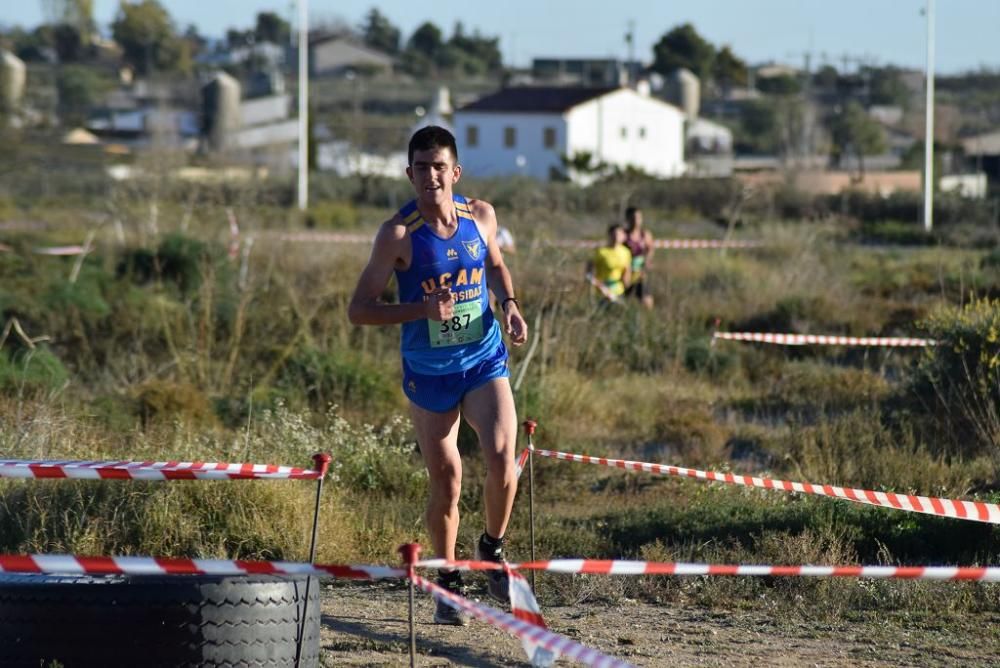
x,y
653,137
490,157
626,129
335,56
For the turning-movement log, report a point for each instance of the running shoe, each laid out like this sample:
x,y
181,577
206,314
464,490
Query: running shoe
x,y
497,582
444,613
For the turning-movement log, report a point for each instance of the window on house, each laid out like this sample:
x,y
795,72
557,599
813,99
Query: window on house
x,y
549,137
510,137
472,135
624,132
642,133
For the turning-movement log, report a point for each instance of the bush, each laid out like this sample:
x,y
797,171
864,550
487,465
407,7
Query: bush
x,y
31,371
956,386
179,260
700,356
342,378
895,232
164,400
366,458
333,214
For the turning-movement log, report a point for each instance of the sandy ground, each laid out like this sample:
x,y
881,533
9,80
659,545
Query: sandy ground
x,y
366,625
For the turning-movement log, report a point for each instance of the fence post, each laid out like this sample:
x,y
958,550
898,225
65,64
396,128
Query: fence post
x,y
321,463
529,430
409,553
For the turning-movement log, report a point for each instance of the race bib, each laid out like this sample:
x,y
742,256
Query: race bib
x,y
464,326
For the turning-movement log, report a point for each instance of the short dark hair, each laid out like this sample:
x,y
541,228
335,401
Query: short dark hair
x,y
431,137
630,213
614,227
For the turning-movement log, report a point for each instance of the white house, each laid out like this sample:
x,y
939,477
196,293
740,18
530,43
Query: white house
x,y
528,131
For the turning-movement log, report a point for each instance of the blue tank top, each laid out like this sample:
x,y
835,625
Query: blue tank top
x,y
472,335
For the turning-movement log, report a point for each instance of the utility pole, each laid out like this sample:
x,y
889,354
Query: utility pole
x,y
303,104
630,42
929,124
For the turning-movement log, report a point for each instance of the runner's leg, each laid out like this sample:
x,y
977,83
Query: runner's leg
x,y
437,435
489,410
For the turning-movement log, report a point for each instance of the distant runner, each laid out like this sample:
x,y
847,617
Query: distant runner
x,y
610,270
442,248
640,243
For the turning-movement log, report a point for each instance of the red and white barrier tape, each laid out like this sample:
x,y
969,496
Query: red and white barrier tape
x,y
976,511
554,643
129,470
522,461
824,340
63,250
327,237
69,564
623,567
676,244
670,244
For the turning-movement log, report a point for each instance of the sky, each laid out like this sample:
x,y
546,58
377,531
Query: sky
x,y
880,31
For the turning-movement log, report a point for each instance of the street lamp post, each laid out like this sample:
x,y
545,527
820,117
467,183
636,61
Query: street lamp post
x,y
303,104
929,123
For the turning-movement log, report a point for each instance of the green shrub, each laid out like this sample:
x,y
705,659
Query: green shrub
x,y
366,458
956,385
700,356
333,214
178,259
893,232
31,371
343,377
158,400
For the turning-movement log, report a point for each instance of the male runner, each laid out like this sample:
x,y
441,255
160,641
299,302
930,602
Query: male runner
x,y
442,248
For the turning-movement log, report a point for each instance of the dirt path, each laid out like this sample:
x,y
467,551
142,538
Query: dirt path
x,y
365,625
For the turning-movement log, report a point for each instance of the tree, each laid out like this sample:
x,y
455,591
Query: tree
x,y
379,33
425,50
783,84
759,130
826,78
146,35
481,54
728,69
67,42
683,47
426,40
272,28
78,14
236,38
886,86
853,131
79,89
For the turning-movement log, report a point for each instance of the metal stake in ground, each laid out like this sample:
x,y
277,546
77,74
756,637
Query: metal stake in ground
x,y
410,552
321,462
529,429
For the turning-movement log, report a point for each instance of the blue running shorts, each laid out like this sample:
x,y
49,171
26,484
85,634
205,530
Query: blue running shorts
x,y
440,394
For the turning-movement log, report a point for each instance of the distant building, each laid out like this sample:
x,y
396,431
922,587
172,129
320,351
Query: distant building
x,y
338,55
598,72
708,148
535,131
982,152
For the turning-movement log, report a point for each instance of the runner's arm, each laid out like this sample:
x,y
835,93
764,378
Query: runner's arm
x,y
367,307
497,275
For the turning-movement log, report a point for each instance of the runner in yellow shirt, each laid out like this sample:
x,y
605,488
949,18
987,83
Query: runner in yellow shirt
x,y
610,270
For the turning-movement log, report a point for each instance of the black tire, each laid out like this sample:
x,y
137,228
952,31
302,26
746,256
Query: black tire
x,y
82,621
